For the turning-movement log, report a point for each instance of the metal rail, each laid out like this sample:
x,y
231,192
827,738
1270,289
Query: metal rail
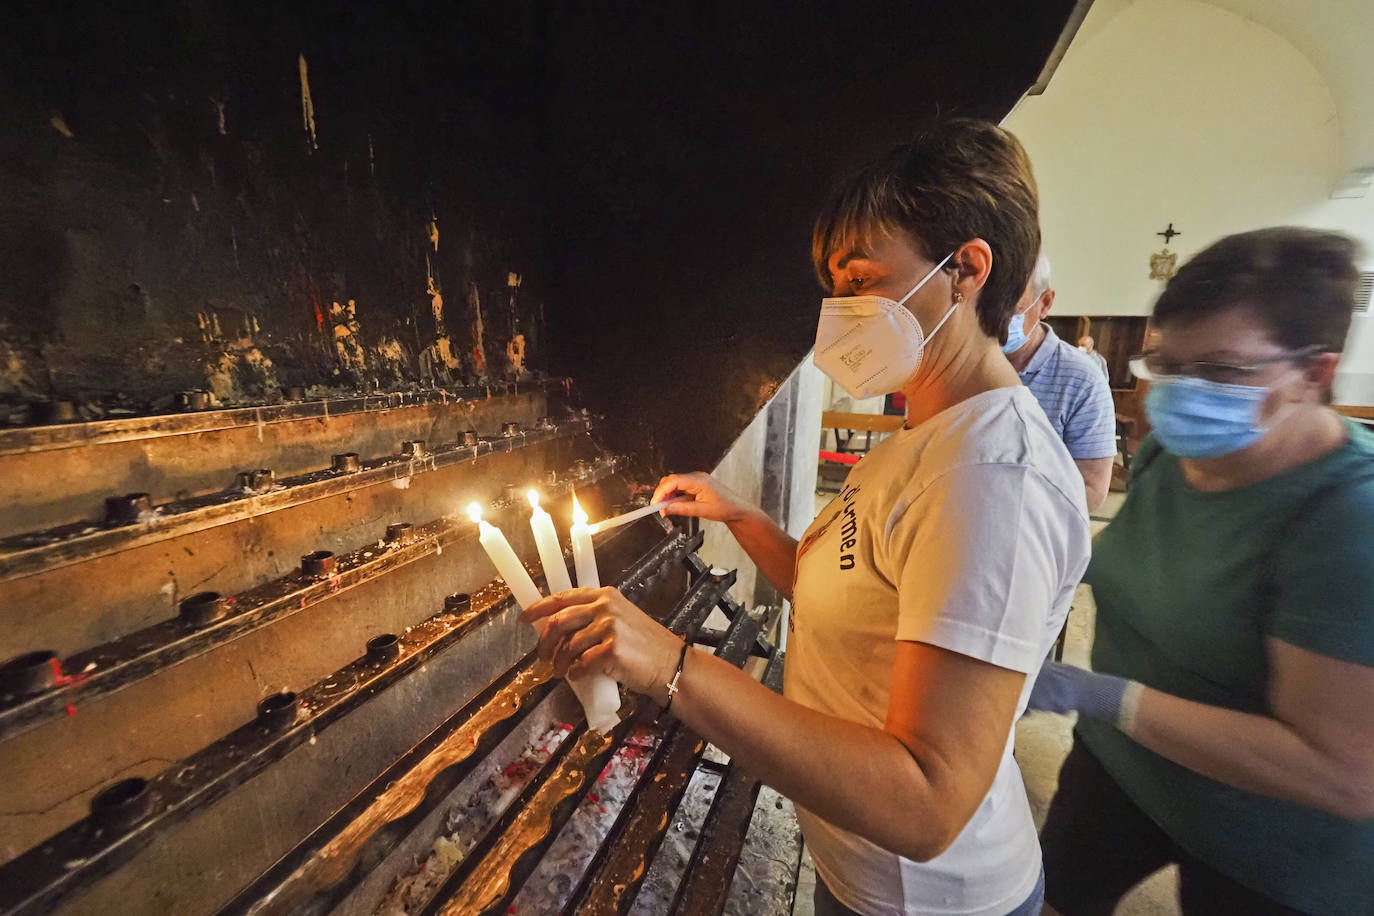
x,y
33,552
132,428
705,885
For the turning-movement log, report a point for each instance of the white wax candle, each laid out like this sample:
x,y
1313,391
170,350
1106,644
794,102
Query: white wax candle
x,y
550,554
599,695
600,699
584,560
635,515
507,564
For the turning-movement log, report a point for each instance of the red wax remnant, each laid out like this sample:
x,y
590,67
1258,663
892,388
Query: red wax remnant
x,y
71,709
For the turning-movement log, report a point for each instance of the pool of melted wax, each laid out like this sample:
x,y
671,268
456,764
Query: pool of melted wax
x,y
660,884
765,881
465,822
557,874
553,880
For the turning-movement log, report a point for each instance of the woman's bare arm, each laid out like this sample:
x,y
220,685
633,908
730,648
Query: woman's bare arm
x,y
773,550
909,786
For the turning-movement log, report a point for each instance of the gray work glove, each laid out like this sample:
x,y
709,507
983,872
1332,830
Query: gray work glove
x,y
1063,688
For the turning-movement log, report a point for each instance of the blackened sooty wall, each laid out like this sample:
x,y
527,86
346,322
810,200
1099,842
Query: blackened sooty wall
x,y
243,197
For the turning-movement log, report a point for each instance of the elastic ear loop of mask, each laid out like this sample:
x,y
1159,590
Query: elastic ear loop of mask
x,y
923,280
941,323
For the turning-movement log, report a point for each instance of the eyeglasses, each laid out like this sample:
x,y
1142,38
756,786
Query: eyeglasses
x,y
1150,365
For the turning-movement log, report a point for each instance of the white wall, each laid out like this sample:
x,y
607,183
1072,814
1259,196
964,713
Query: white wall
x,y
1170,110
1180,111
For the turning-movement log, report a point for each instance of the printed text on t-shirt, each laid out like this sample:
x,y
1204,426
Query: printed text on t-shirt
x,y
850,529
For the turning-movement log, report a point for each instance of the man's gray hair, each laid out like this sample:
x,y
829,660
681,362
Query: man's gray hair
x,y
1040,275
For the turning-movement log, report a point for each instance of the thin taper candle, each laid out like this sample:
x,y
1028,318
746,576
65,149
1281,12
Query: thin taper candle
x,y
550,553
584,559
635,515
507,564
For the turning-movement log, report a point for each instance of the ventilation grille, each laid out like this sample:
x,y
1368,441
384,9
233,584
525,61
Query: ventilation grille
x,y
1364,290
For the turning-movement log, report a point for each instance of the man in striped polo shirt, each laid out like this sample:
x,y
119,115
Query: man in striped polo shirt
x,y
1070,388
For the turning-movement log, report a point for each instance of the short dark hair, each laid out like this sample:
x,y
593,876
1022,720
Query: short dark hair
x,y
1299,282
959,180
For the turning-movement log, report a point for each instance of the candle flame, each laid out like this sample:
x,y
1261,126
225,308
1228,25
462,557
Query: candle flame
x,y
579,517
475,512
533,496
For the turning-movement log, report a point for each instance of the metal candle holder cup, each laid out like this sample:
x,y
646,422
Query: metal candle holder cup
x,y
383,649
400,533
193,400
123,804
57,412
459,603
347,463
317,564
260,479
204,608
278,710
126,509
30,673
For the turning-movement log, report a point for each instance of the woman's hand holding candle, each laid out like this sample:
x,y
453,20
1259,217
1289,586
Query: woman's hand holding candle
x,y
600,631
598,694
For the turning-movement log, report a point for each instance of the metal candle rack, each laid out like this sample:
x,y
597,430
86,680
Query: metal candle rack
x,y
333,768
208,620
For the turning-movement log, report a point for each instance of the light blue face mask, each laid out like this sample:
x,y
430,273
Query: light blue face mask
x,y
1016,333
1195,418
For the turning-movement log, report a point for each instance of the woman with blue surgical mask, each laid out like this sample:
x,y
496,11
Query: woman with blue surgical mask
x,y
925,596
1227,725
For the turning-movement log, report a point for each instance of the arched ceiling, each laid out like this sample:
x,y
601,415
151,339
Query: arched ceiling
x,y
1335,35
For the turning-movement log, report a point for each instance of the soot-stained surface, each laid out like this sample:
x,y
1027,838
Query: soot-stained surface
x,y
202,194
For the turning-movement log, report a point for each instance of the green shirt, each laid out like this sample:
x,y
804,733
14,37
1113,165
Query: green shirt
x,y
1188,587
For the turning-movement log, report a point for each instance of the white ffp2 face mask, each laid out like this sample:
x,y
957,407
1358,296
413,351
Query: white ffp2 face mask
x,y
871,345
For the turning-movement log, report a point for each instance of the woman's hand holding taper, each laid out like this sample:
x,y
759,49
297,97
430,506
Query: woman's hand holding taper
x,y
710,500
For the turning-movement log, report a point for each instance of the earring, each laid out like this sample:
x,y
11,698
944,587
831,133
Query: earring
x,y
958,297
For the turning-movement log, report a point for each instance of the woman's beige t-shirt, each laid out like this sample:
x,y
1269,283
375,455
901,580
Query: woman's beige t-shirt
x,y
970,533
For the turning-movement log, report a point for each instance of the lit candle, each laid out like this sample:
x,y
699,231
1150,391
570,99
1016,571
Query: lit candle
x,y
598,694
584,560
550,554
507,564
